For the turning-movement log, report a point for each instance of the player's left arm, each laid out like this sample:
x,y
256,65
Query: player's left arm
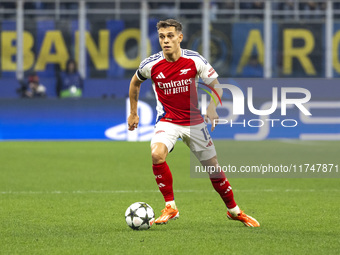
x,y
211,109
209,76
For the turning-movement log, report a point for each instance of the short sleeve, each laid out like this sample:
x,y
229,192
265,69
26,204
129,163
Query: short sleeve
x,y
205,71
144,70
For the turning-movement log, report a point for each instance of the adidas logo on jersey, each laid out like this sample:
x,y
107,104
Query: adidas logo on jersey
x,y
160,76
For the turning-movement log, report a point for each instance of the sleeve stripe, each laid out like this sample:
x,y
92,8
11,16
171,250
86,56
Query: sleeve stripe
x,y
149,60
140,77
195,54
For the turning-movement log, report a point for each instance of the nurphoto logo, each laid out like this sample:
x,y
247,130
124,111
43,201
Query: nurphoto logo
x,y
238,104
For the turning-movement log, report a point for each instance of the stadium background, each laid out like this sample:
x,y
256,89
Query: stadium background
x,y
109,39
69,197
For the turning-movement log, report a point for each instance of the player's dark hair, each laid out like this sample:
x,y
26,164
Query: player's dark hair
x,y
170,23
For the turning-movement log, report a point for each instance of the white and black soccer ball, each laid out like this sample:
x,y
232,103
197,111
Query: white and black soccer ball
x,y
139,216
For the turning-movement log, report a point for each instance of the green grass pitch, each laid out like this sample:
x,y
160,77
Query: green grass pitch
x,y
70,198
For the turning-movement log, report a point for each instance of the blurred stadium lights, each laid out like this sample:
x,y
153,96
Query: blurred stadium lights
x,y
203,11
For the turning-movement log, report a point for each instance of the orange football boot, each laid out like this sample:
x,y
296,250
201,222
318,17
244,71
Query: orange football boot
x,y
247,220
168,213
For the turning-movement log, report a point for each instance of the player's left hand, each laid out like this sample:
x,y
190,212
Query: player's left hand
x,y
212,116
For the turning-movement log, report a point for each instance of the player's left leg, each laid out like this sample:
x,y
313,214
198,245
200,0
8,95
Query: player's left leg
x,y
203,147
220,182
223,187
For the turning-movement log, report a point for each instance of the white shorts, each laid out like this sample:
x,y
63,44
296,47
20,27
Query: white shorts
x,y
197,138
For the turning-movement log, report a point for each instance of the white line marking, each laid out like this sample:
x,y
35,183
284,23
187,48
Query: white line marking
x,y
303,142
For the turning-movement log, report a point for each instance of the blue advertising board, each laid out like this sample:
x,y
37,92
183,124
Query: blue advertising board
x,y
101,119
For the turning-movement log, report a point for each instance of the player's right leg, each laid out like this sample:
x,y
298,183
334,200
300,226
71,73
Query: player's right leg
x,y
162,143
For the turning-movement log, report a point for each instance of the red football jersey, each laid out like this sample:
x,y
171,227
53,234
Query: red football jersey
x,y
175,85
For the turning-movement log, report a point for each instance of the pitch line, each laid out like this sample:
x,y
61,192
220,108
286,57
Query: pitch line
x,y
304,142
152,191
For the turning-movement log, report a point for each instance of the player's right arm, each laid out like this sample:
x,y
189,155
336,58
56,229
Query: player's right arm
x,y
133,118
142,74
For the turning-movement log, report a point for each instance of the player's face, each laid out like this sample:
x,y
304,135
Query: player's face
x,y
169,39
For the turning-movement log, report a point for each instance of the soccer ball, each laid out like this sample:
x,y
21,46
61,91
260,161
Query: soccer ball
x,y
139,216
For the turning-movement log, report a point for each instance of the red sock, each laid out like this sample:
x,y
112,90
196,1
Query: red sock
x,y
164,180
222,186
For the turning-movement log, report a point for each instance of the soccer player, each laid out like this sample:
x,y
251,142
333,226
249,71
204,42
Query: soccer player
x,y
173,72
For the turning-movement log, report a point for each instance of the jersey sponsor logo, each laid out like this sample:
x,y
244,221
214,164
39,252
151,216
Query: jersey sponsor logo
x,y
184,71
160,76
172,84
158,176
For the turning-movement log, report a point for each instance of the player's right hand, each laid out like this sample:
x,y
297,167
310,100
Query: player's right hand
x,y
133,121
